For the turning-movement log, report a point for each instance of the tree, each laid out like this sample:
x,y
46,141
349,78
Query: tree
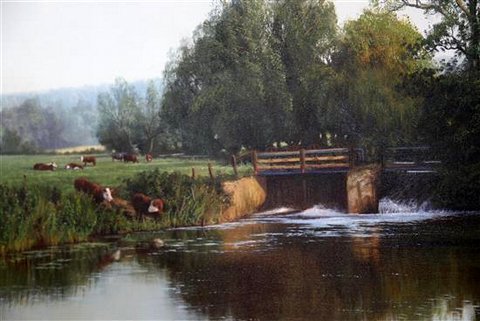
x,y
117,114
306,33
254,76
149,121
377,56
458,30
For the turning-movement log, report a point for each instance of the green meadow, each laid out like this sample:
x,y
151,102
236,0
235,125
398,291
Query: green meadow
x,y
13,168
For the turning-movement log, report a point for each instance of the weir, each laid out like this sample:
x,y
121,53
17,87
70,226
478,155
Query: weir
x,y
331,177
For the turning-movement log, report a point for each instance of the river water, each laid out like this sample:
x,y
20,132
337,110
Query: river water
x,y
407,263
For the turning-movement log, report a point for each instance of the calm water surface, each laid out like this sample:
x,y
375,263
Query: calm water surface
x,y
315,265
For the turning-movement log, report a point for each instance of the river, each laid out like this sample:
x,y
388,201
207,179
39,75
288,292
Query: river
x,y
407,263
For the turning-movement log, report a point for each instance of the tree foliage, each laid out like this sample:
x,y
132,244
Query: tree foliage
x,y
458,29
377,55
129,123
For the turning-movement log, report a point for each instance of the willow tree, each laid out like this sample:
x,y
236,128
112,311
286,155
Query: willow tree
x,y
306,32
227,90
117,116
377,56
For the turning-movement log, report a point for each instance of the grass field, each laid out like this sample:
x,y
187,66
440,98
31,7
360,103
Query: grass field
x,y
106,172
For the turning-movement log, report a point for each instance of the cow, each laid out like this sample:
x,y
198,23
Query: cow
x,y
145,205
98,192
148,158
88,159
45,167
117,156
73,166
130,158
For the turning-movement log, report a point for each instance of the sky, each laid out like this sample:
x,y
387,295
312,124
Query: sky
x,y
56,44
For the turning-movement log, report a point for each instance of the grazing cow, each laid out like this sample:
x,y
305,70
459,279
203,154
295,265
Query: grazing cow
x,y
45,167
98,192
73,166
130,158
148,158
144,205
117,156
88,159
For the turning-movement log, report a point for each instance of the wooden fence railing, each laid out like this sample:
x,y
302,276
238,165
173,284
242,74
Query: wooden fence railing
x,y
409,158
302,160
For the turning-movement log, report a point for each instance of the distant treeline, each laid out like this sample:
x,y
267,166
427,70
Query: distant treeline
x,y
32,127
33,123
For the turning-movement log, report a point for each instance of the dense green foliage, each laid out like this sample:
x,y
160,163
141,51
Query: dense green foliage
x,y
260,74
450,123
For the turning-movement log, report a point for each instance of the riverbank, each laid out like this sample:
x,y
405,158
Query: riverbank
x,y
39,215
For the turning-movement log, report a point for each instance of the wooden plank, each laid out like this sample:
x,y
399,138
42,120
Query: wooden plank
x,y
278,160
266,168
327,151
272,154
254,162
329,165
325,158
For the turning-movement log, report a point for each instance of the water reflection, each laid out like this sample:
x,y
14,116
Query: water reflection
x,y
267,268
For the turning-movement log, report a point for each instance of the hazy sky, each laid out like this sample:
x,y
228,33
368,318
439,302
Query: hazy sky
x,y
53,44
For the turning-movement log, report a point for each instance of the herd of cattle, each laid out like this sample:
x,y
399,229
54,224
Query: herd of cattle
x,y
140,204
125,157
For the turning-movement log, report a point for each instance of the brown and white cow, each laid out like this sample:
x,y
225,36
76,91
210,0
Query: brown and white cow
x,y
88,159
45,167
73,166
98,192
145,205
148,158
130,158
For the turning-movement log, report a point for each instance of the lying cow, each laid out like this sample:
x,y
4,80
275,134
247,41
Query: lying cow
x,y
45,167
148,158
130,158
98,192
73,166
144,205
88,159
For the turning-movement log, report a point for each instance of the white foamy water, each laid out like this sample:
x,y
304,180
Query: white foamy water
x,y
320,221
325,222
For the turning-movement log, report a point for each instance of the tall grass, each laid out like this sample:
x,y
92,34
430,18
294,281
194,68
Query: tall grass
x,y
187,201
39,216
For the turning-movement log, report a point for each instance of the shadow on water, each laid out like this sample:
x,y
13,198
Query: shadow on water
x,y
315,265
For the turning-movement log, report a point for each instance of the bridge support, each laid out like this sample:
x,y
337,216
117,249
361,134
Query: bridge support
x,y
361,188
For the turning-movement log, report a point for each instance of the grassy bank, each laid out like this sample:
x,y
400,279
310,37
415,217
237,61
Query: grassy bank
x,y
45,210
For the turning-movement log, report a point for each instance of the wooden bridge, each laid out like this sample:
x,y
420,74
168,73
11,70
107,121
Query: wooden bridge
x,y
335,177
339,160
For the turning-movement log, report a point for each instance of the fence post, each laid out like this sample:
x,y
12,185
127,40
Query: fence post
x,y
302,160
234,165
210,171
193,173
254,162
